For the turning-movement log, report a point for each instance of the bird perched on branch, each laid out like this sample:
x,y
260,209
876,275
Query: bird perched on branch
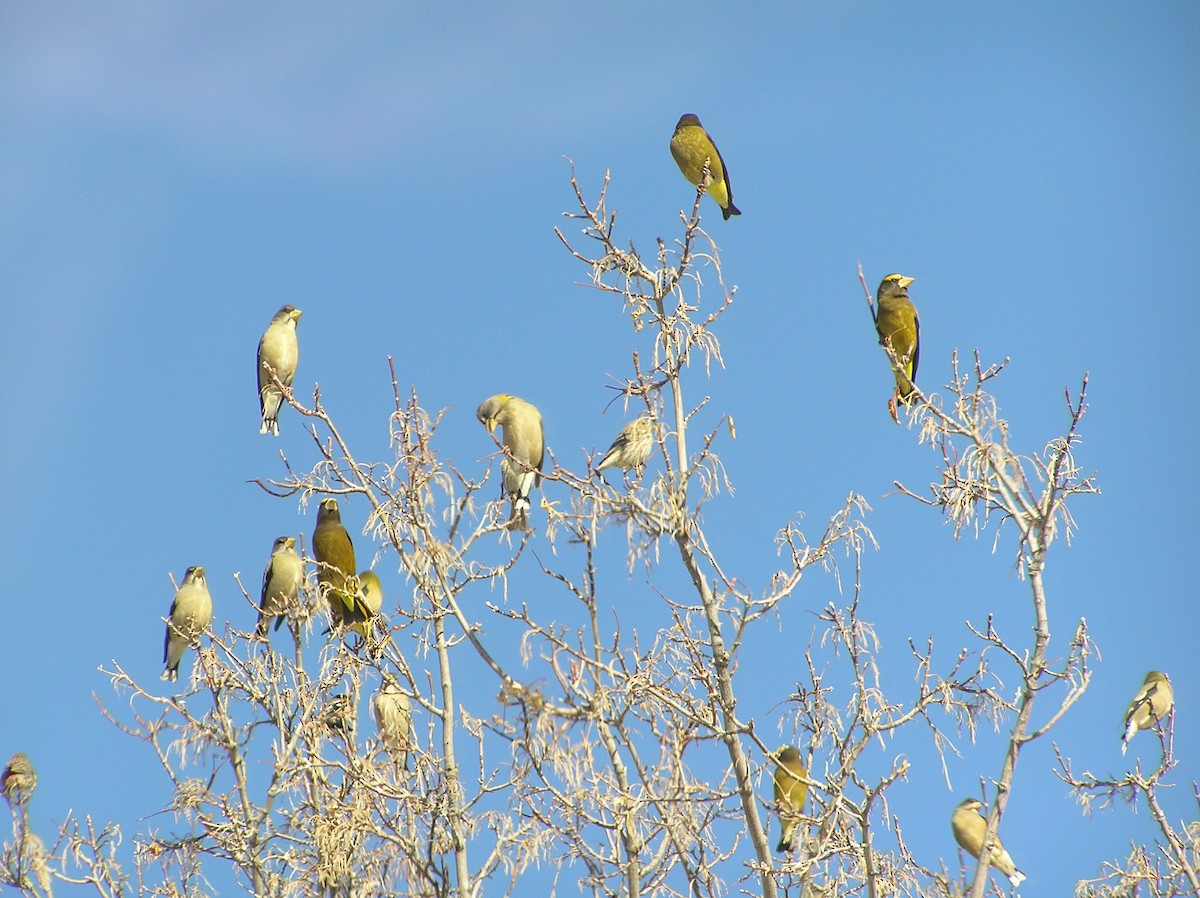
x,y
191,613
393,717
279,350
370,594
969,826
632,447
18,780
693,148
791,793
1149,707
334,553
524,450
898,326
283,579
338,715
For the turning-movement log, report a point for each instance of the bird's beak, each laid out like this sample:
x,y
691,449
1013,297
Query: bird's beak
x,y
904,282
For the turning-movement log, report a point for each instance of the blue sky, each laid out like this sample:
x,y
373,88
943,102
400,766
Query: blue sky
x,y
171,175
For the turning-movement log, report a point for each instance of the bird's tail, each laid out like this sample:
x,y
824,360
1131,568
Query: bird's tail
x,y
519,520
270,403
1125,737
786,838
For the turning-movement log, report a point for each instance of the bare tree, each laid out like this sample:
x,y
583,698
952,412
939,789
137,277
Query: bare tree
x,y
1166,869
622,759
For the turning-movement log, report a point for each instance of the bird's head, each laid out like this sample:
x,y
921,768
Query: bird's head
x,y
489,410
894,285
687,119
328,510
369,581
194,575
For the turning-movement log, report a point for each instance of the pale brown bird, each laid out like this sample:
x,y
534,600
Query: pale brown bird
x,y
283,579
524,445
18,780
191,613
393,718
33,851
632,447
1149,707
370,603
969,827
334,553
791,793
278,349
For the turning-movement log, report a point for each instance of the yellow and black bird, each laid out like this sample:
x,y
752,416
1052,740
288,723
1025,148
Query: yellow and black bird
x,y
279,350
632,447
1149,707
791,793
898,326
692,148
18,780
283,579
191,613
334,553
524,449
969,826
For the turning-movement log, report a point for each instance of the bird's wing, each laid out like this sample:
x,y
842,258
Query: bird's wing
x,y
916,347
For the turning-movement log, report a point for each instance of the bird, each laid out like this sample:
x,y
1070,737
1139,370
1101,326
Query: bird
x,y
969,826
34,857
278,349
33,852
334,553
692,148
282,580
791,792
524,449
338,715
393,718
370,594
898,326
191,613
632,447
18,780
1152,703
